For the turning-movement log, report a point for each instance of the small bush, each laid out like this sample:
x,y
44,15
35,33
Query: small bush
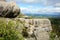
x,y
8,31
52,35
55,27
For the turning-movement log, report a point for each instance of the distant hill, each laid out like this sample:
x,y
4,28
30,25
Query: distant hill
x,y
53,15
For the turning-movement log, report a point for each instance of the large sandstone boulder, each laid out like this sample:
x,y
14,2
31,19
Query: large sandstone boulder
x,y
9,9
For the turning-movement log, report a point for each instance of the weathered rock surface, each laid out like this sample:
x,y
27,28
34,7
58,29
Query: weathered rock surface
x,y
9,9
37,29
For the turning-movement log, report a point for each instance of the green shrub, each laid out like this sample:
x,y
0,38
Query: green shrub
x,y
52,35
8,31
55,26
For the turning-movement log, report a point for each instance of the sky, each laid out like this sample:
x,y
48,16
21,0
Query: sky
x,y
38,6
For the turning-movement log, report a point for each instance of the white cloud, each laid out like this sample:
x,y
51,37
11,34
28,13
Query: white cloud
x,y
32,9
39,10
28,1
44,2
52,9
28,10
55,3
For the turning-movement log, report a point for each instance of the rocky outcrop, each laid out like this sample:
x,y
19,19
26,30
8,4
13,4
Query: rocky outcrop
x,y
9,9
37,29
40,28
34,29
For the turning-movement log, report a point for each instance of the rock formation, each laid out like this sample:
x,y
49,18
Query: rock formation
x,y
9,9
40,28
37,29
